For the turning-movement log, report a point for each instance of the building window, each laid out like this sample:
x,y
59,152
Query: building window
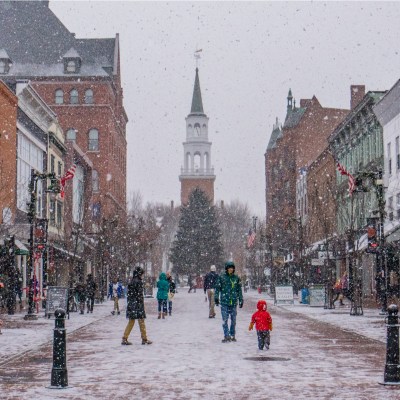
x,y
95,181
52,163
59,213
389,155
71,66
2,67
59,168
78,189
59,96
52,212
71,134
93,140
30,157
89,96
397,153
74,97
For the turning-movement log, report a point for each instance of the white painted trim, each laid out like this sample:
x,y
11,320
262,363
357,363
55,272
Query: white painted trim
x,y
32,138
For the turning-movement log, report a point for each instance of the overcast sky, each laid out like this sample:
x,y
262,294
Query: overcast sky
x,y
253,52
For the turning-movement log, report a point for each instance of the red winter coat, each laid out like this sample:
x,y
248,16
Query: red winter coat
x,y
262,318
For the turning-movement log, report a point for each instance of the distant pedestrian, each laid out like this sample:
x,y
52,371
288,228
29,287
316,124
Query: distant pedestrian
x,y
162,295
344,281
337,290
171,292
1,324
135,307
90,292
210,281
80,291
228,292
116,295
263,321
191,284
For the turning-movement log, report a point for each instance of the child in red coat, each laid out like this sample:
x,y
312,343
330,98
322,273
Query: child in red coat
x,y
262,319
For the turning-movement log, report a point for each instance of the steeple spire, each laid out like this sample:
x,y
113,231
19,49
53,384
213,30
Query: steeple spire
x,y
197,103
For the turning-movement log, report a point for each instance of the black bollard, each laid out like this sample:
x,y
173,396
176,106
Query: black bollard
x,y
59,375
392,367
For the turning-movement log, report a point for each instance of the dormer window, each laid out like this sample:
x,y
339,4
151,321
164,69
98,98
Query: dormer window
x,y
5,62
72,62
71,66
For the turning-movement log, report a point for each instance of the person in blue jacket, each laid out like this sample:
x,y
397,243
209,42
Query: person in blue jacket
x,y
162,295
116,294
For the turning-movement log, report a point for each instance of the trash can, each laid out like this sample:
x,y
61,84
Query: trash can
x,y
305,296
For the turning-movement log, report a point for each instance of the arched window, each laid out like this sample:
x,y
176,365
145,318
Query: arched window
x,y
95,181
2,67
71,66
93,140
59,96
89,96
71,134
74,97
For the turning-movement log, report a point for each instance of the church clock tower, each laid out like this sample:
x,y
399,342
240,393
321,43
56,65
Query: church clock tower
x,y
197,171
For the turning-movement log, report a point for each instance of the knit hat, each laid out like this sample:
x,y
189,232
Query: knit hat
x,y
229,264
212,268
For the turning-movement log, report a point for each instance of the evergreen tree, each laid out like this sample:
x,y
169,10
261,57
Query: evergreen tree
x,y
197,244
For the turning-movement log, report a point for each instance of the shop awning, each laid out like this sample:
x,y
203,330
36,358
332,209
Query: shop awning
x,y
68,253
20,250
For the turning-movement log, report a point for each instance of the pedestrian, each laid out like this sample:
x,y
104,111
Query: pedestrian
x,y
162,295
135,307
80,291
90,292
171,292
263,321
1,324
116,295
210,281
337,290
228,293
344,282
110,291
191,284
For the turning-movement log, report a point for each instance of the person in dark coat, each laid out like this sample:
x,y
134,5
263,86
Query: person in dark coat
x,y
210,281
90,292
80,291
171,293
135,307
191,284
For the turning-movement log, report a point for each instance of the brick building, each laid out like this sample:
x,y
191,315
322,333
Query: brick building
x,y
80,80
8,155
291,149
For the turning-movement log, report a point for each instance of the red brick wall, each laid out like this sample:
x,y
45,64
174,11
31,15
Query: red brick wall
x,y
8,150
188,185
105,114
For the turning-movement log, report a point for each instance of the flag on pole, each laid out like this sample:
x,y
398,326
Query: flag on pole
x,y
68,175
251,238
343,171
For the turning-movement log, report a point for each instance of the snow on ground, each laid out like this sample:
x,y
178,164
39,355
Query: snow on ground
x,y
307,359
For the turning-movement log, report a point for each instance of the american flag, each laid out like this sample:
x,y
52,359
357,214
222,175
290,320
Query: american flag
x,y
251,238
343,171
68,175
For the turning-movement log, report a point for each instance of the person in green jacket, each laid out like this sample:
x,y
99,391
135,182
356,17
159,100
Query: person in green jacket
x,y
228,293
162,294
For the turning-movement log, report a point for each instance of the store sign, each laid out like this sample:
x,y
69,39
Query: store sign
x,y
317,261
317,295
284,295
57,297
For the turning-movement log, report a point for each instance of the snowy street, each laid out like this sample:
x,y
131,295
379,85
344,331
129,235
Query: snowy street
x,y
310,357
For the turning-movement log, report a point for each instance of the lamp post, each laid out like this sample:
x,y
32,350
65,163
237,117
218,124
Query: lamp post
x,y
53,188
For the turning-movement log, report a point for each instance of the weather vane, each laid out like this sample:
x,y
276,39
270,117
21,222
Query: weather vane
x,y
197,56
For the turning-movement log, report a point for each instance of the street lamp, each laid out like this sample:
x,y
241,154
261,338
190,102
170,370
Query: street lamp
x,y
53,188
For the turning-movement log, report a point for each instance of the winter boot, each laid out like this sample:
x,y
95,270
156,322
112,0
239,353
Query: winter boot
x,y
146,341
233,339
125,342
113,312
163,315
159,315
226,339
119,312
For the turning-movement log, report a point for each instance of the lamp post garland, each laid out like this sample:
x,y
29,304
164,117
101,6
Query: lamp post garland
x,y
53,188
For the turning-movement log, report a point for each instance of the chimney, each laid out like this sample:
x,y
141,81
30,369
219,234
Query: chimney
x,y
172,204
357,92
222,204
